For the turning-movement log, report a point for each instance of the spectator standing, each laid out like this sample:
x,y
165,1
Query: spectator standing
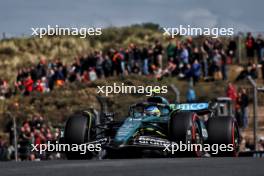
x,y
184,56
231,92
196,71
191,95
171,48
145,57
40,70
177,53
136,52
260,47
117,60
232,49
28,84
262,68
25,141
216,65
244,107
107,66
92,74
3,150
170,69
204,63
99,64
51,79
250,47
253,71
157,52
123,62
59,76
85,77
44,84
187,72
224,65
196,55
38,86
130,57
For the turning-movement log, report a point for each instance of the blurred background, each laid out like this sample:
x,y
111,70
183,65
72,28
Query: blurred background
x,y
43,80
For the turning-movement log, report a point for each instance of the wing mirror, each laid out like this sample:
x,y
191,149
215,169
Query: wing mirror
x,y
213,105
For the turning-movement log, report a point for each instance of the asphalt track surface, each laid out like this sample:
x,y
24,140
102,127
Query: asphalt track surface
x,y
142,167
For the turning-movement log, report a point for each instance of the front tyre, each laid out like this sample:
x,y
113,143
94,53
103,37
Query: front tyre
x,y
78,131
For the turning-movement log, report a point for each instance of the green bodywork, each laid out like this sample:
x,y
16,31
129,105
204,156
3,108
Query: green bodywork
x,y
137,122
131,126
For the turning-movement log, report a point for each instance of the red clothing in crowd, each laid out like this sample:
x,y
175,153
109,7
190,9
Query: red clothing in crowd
x,y
85,77
39,87
231,92
29,85
117,57
250,43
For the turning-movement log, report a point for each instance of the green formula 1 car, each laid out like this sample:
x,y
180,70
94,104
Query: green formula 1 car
x,y
156,128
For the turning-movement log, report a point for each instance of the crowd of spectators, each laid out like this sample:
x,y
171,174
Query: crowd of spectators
x,y
241,102
254,46
182,59
32,131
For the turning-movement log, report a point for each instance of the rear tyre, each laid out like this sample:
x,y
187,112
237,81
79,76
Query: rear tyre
x,y
224,131
78,131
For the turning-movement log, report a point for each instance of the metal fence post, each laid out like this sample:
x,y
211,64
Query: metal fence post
x,y
15,138
255,112
255,117
239,49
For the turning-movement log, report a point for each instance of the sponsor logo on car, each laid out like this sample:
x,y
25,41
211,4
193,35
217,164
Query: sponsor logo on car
x,y
146,140
192,106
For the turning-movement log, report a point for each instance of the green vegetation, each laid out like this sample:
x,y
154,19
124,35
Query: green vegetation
x,y
58,104
22,52
16,53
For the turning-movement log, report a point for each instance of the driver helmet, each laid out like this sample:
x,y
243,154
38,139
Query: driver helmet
x,y
152,110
